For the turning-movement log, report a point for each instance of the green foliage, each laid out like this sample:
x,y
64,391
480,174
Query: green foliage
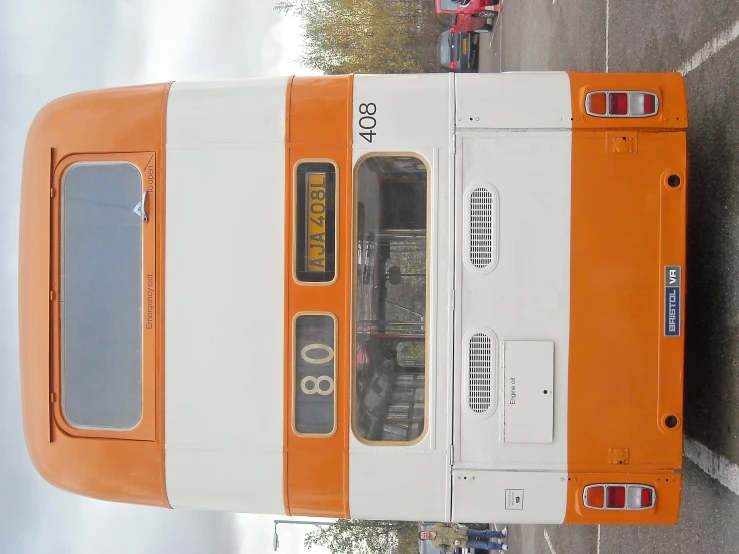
x,y
368,36
355,536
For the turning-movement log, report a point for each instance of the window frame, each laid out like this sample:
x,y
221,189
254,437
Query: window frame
x,y
146,165
428,365
294,204
294,372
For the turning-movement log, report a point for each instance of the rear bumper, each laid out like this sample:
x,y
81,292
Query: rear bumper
x,y
469,53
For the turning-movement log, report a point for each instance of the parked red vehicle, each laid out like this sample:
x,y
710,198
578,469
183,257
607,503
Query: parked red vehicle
x,y
472,8
465,23
459,48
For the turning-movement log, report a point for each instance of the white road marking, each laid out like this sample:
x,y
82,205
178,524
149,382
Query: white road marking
x,y
715,465
608,24
597,551
549,542
496,23
710,49
498,28
500,42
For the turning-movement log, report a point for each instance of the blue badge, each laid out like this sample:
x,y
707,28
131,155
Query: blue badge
x,y
673,282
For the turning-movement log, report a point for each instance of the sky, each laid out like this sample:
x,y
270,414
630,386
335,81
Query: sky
x,y
49,48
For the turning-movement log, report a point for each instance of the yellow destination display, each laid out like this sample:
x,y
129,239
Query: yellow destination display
x,y
316,217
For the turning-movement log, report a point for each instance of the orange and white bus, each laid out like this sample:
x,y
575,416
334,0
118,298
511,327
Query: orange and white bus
x,y
369,296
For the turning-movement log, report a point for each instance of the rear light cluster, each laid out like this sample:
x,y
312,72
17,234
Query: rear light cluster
x,y
619,497
621,104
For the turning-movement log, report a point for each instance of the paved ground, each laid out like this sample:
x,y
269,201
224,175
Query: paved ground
x,y
699,39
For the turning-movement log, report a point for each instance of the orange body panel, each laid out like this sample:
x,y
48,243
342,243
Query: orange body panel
x,y
665,512
122,121
625,376
316,480
669,88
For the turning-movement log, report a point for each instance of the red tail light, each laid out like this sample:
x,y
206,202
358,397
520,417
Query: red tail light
x,y
621,103
618,103
649,102
619,496
452,65
615,497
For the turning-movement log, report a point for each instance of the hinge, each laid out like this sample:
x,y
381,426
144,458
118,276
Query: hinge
x,y
454,144
451,454
453,299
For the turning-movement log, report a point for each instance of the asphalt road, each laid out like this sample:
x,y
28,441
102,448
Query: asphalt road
x,y
700,39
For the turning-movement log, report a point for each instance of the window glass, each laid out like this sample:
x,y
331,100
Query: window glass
x,y
445,48
315,374
390,302
101,296
315,233
450,5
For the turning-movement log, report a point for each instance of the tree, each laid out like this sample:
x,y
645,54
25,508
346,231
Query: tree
x,y
355,536
368,36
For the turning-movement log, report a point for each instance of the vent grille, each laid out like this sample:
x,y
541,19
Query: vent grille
x,y
480,373
481,228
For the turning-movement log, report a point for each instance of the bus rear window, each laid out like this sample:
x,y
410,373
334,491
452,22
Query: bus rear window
x,y
101,296
390,301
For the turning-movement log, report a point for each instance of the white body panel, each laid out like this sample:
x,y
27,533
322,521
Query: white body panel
x,y
510,496
224,336
525,297
385,481
528,374
521,100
